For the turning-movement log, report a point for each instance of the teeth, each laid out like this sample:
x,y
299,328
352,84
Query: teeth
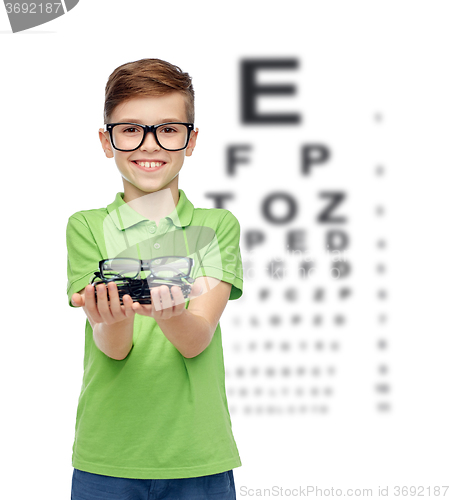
x,y
148,164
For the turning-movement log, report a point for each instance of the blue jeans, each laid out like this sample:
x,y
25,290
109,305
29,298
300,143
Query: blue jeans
x,y
88,486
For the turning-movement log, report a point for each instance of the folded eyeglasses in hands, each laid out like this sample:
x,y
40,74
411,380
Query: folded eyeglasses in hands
x,y
135,277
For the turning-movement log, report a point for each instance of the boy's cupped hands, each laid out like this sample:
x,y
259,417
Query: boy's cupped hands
x,y
110,311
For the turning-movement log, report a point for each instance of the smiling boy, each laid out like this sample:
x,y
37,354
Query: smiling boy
x,y
152,413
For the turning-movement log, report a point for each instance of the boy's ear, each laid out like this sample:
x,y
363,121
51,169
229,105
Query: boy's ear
x,y
106,143
192,142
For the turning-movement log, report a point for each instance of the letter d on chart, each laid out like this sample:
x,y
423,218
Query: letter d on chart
x,y
26,14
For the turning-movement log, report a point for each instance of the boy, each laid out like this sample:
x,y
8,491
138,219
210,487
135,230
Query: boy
x,y
152,414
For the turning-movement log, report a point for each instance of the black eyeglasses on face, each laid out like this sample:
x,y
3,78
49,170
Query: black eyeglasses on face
x,y
171,136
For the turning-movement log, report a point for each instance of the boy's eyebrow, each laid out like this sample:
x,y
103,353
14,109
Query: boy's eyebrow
x,y
163,120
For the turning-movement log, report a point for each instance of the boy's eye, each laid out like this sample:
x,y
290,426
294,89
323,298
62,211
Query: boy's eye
x,y
131,130
168,130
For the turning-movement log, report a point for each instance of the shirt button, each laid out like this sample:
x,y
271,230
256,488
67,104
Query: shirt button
x,y
152,229
156,245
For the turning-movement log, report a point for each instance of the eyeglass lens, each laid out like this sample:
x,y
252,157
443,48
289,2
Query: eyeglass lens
x,y
170,136
164,267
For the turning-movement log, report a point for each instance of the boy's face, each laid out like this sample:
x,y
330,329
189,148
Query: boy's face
x,y
138,180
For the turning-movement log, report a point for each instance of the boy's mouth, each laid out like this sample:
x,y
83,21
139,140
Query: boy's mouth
x,y
149,164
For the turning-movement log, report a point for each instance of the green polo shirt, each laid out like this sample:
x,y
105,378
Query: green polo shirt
x,y
154,414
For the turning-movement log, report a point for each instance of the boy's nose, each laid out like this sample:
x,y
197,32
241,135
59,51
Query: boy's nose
x,y
150,143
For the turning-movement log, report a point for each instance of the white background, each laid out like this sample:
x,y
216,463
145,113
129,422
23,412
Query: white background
x,y
357,59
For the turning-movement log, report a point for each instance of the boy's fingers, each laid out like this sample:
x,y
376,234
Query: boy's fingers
x,y
100,310
128,305
180,301
166,302
77,300
102,304
142,309
136,306
178,297
196,289
90,304
155,294
114,298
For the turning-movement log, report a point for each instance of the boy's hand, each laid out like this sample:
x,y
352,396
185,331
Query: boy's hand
x,y
102,310
163,306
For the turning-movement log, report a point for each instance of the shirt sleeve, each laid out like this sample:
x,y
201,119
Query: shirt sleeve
x,y
222,258
83,256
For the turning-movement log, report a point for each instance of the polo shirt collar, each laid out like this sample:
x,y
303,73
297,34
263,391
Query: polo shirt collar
x,y
124,216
